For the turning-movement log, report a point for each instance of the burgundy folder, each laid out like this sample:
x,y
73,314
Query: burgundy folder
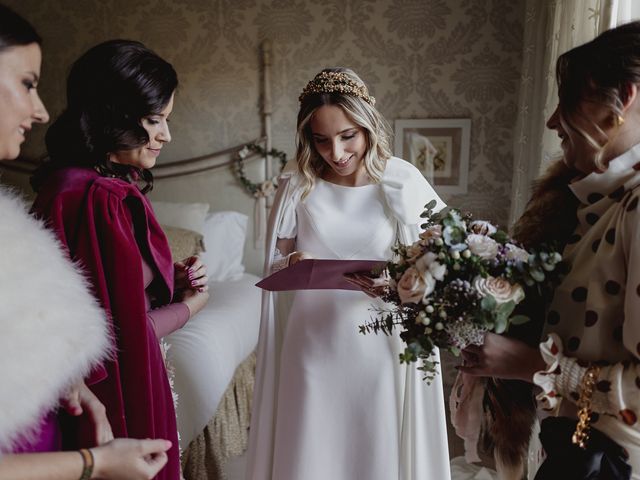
x,y
319,274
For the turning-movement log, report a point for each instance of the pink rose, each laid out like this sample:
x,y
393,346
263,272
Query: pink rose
x,y
413,252
499,288
435,231
412,286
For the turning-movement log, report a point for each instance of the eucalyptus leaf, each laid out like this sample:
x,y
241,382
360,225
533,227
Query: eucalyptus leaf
x,y
501,325
500,237
415,348
488,303
431,205
537,274
519,319
506,308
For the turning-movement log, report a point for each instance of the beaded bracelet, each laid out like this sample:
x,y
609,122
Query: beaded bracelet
x,y
87,463
581,435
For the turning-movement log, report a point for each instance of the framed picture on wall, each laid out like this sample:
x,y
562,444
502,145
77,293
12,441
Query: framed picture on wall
x,y
439,148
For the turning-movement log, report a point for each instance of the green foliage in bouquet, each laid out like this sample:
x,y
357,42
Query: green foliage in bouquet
x,y
462,278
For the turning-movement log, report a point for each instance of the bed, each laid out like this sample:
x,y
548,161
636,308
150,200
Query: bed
x,y
213,366
205,354
210,359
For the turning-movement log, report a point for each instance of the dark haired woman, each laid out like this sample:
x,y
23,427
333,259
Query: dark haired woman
x,y
52,329
589,367
119,97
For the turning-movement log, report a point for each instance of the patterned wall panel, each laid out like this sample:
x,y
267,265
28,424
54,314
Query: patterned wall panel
x,y
422,59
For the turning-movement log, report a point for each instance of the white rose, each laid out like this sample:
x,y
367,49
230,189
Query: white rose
x,y
499,288
430,286
438,270
422,263
482,246
516,253
481,227
428,263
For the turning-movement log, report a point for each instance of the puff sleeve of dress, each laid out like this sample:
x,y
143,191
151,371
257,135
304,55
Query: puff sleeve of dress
x,y
407,191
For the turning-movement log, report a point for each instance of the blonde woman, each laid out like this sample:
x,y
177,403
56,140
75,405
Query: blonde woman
x,y
330,402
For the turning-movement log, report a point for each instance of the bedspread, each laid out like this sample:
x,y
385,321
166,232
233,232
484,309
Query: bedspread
x,y
207,350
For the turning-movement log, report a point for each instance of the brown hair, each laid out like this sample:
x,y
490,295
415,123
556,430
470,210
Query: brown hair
x,y
601,71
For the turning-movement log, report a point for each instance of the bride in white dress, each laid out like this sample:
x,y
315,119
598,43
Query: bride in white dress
x,y
331,403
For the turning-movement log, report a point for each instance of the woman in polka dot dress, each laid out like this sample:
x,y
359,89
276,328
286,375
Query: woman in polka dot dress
x,y
591,356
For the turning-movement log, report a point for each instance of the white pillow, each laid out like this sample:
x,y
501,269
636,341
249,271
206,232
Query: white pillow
x,y
224,235
189,216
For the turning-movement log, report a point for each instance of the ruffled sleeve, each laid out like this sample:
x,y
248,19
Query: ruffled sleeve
x,y
562,375
407,191
616,391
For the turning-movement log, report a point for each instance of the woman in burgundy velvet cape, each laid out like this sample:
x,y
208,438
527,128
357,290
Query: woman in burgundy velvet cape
x,y
119,95
93,217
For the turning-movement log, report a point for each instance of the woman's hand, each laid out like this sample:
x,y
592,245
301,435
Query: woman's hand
x,y
195,300
127,458
502,357
371,285
78,400
191,273
295,257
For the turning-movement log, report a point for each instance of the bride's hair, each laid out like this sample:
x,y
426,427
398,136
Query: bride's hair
x,y
359,109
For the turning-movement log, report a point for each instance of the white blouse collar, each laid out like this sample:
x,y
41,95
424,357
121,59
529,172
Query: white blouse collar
x,y
621,174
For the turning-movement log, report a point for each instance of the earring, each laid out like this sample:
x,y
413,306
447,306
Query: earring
x,y
619,119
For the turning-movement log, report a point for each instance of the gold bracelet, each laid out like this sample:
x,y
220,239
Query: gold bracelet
x,y
581,435
87,463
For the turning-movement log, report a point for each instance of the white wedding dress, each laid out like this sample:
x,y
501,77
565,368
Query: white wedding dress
x,y
340,409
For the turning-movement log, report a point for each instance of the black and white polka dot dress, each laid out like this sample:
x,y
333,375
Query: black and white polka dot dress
x,y
595,312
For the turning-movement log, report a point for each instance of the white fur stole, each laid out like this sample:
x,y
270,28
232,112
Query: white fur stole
x,y
52,330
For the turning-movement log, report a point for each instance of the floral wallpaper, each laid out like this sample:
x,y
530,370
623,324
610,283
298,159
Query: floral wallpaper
x,y
421,58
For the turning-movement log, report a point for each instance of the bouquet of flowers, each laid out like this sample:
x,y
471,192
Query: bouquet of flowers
x,y
462,278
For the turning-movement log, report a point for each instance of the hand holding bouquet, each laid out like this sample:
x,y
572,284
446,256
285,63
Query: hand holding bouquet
x,y
462,278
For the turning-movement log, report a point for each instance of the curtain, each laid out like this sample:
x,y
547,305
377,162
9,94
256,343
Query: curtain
x,y
551,27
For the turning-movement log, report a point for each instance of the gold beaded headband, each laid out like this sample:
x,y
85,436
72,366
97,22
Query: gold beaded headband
x,y
330,82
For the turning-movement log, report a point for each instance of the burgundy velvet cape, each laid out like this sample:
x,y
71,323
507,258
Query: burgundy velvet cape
x,y
93,217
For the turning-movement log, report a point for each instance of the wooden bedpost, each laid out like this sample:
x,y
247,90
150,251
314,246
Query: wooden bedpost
x,y
266,111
